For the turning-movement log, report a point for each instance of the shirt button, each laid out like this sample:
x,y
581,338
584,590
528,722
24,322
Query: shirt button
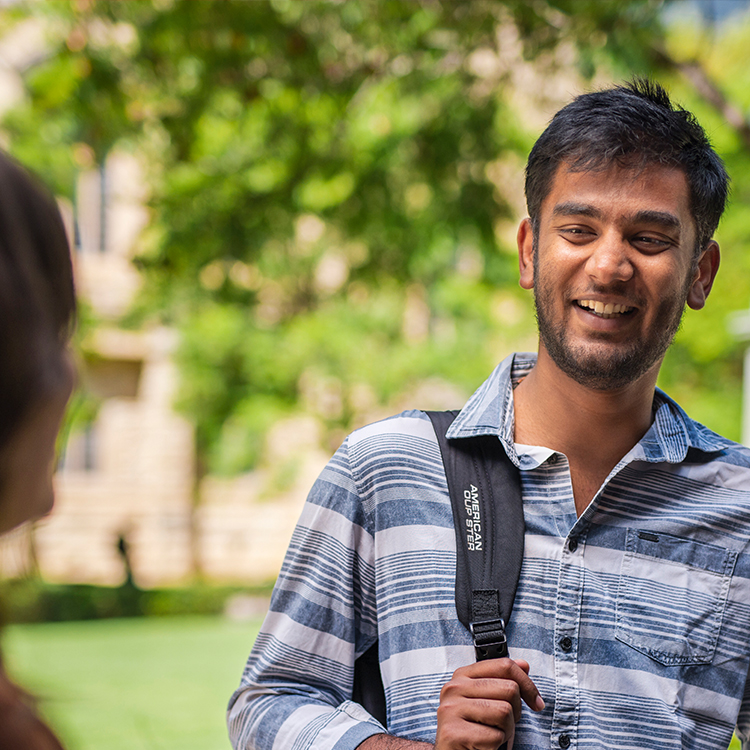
x,y
572,547
566,644
564,741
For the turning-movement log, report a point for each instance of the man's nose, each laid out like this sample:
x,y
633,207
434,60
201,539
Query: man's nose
x,y
610,259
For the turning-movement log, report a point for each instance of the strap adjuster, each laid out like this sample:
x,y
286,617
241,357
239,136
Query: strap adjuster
x,y
489,639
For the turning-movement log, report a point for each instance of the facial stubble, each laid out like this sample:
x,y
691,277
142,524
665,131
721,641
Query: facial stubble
x,y
606,365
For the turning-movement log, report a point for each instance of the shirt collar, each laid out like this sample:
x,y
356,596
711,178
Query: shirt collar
x,y
489,411
673,433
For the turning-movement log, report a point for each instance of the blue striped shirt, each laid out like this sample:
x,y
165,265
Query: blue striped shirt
x,y
633,617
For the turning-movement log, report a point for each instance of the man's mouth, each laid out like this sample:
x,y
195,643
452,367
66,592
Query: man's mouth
x,y
604,310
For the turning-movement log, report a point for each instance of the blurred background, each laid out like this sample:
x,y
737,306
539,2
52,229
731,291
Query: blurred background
x,y
291,218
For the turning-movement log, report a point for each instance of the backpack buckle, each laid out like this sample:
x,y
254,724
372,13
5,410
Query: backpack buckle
x,y
489,639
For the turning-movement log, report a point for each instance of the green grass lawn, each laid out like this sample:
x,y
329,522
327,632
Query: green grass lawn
x,y
136,684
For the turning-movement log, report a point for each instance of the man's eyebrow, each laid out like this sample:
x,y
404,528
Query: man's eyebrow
x,y
661,218
571,208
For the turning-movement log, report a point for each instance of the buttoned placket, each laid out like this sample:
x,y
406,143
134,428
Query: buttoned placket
x,y
569,604
565,718
564,728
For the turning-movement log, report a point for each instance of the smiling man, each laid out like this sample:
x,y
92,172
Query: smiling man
x,y
613,256
631,624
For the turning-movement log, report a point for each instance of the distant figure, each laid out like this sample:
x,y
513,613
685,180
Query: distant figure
x,y
37,313
123,550
128,595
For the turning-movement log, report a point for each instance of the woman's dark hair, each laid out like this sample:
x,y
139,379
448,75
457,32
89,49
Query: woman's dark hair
x,y
633,125
37,299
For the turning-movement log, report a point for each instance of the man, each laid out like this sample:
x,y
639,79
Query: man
x,y
631,623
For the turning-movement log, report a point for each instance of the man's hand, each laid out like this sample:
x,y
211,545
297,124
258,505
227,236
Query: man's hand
x,y
481,704
479,708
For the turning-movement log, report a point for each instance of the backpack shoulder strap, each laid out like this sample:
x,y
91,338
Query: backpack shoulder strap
x,y
485,491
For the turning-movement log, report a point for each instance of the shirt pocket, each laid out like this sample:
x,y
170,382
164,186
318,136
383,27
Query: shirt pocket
x,y
671,596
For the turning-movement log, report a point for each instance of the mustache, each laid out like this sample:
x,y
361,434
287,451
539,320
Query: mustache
x,y
616,289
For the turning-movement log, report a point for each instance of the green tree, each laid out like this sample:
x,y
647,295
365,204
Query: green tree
x,y
334,185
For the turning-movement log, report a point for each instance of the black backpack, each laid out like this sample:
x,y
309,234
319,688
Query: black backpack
x,y
485,491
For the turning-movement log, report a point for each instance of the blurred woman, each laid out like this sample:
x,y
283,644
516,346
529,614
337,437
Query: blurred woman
x,y
37,313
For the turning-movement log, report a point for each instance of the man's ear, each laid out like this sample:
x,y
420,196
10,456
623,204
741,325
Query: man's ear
x,y
703,280
525,240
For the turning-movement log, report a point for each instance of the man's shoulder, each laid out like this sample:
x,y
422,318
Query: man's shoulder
x,y
717,460
396,457
677,431
411,423
726,450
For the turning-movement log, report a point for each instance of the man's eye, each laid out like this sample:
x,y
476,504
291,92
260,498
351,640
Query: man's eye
x,y
576,233
651,243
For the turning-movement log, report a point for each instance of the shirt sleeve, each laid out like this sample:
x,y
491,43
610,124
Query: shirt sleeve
x,y
296,689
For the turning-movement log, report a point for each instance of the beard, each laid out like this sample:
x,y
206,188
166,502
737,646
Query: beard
x,y
603,365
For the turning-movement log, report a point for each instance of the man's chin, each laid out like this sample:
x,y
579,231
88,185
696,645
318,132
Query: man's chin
x,y
599,381
600,368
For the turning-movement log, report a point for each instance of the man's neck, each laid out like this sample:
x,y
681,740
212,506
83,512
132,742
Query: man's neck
x,y
593,428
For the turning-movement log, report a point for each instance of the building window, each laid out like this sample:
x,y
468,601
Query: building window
x,y
80,452
91,230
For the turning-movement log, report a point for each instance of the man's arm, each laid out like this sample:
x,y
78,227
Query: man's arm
x,y
479,708
297,686
389,742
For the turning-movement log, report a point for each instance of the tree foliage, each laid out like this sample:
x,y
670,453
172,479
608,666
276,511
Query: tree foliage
x,y
334,185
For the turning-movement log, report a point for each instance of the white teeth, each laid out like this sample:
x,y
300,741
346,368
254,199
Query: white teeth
x,y
608,310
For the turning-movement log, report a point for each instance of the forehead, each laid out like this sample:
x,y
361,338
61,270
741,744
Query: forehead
x,y
618,192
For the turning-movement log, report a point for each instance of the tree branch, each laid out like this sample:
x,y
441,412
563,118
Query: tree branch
x,y
696,75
